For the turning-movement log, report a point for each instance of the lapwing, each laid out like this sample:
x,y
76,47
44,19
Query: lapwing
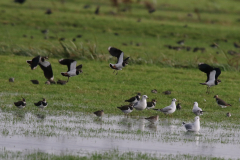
x,y
11,79
167,92
121,62
126,109
153,119
141,104
169,109
236,45
179,107
221,102
72,69
152,104
41,104
154,91
193,127
212,75
45,66
20,104
196,110
134,99
228,114
99,113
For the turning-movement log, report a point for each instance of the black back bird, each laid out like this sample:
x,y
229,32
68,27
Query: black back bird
x,y
20,104
134,99
41,104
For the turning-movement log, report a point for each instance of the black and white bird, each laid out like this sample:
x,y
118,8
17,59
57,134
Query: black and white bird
x,y
212,75
221,102
169,109
126,109
228,114
121,62
134,99
196,110
152,104
141,104
99,113
41,104
20,104
45,66
193,127
73,69
179,107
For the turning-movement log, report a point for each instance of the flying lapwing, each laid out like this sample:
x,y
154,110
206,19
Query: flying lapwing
x,y
212,75
72,69
121,62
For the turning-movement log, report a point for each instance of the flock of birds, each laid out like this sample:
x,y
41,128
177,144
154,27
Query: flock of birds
x,y
135,102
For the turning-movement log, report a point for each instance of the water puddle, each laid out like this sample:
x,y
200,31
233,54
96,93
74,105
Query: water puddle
x,y
77,132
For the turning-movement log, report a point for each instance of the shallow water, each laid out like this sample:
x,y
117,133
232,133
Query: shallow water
x,y
81,133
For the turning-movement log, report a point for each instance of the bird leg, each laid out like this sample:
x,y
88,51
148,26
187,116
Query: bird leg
x,y
68,79
114,71
117,73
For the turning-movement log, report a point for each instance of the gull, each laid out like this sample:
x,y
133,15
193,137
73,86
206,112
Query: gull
x,y
72,69
126,109
120,63
212,75
20,104
141,104
153,119
41,104
45,66
134,99
193,127
196,110
169,109
221,102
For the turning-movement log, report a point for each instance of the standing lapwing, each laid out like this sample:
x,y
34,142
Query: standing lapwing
x,y
126,109
221,102
141,104
228,114
169,109
120,63
45,66
20,104
134,99
196,110
152,119
152,104
179,107
72,69
41,104
99,113
193,127
212,75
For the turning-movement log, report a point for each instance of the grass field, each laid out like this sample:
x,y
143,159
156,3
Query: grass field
x,y
141,35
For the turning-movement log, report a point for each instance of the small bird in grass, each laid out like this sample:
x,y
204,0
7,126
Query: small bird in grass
x,y
99,113
141,104
41,104
181,42
20,104
61,82
126,109
19,1
121,62
236,45
221,102
196,110
154,91
34,81
193,127
179,107
167,92
72,69
48,11
11,80
153,119
212,75
134,99
152,104
169,109
228,114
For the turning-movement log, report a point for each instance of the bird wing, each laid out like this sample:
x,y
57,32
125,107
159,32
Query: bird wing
x,y
34,62
47,69
116,53
206,69
188,126
71,64
149,104
131,99
166,109
38,103
79,67
211,76
19,103
124,107
218,72
221,102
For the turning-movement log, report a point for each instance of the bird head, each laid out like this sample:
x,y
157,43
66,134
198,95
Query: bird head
x,y
144,97
154,100
174,100
44,99
216,96
219,81
195,103
79,71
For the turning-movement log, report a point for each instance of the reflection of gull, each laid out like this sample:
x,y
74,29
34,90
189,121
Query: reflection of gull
x,y
192,136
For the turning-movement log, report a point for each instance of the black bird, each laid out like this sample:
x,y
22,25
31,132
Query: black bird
x,y
126,109
167,92
99,113
41,104
214,45
20,104
119,54
11,80
72,69
212,75
97,10
19,1
134,99
221,102
35,81
179,107
151,104
48,11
